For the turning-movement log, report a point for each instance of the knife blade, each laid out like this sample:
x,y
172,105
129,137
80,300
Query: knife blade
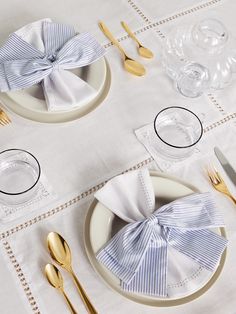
x,y
226,165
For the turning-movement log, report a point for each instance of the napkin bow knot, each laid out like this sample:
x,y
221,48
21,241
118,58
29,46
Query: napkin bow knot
x,y
152,220
138,253
58,49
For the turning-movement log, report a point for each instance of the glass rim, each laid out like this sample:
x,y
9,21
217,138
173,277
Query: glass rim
x,y
39,171
176,146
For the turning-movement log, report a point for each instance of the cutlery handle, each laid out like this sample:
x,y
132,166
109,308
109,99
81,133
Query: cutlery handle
x,y
83,295
131,34
109,35
73,311
233,199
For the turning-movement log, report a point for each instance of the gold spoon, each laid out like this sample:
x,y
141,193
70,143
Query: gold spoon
x,y
60,252
130,65
143,51
55,279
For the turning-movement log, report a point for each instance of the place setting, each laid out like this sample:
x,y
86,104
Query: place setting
x,y
57,80
137,277
73,73
149,233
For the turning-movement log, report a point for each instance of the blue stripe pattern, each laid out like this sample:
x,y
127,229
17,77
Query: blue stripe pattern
x,y
138,253
22,65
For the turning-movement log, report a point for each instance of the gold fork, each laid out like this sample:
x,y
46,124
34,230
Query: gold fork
x,y
218,183
4,119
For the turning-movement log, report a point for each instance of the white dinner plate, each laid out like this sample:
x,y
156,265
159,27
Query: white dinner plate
x,y
30,103
101,225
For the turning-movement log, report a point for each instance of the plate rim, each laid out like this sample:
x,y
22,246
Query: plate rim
x,y
133,297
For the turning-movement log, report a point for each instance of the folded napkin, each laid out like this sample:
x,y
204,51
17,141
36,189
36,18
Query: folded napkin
x,y
138,253
43,51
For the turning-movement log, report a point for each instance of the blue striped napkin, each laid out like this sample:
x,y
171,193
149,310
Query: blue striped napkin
x,y
138,253
43,52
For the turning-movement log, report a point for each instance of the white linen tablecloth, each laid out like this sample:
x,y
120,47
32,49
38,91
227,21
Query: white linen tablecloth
x,y
78,156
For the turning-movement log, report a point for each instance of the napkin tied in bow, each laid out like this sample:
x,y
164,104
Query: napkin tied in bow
x,y
138,253
43,51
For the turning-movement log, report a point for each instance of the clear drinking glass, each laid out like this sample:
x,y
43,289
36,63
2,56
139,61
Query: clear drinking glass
x,y
210,35
178,130
19,176
193,80
200,57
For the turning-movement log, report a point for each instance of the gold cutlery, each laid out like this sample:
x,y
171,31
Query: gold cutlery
x,y
143,51
55,279
130,65
218,183
60,252
4,119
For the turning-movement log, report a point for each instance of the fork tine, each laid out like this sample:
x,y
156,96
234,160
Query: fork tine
x,y
5,120
210,175
207,170
6,117
214,178
215,174
218,183
218,176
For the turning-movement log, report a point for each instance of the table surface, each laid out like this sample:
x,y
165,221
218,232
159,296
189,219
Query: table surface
x,y
79,156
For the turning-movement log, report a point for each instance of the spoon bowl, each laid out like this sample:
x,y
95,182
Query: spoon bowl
x,y
55,279
59,250
54,276
134,67
145,52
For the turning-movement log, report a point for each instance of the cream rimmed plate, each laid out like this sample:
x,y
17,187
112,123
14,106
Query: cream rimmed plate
x,y
183,285
30,103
